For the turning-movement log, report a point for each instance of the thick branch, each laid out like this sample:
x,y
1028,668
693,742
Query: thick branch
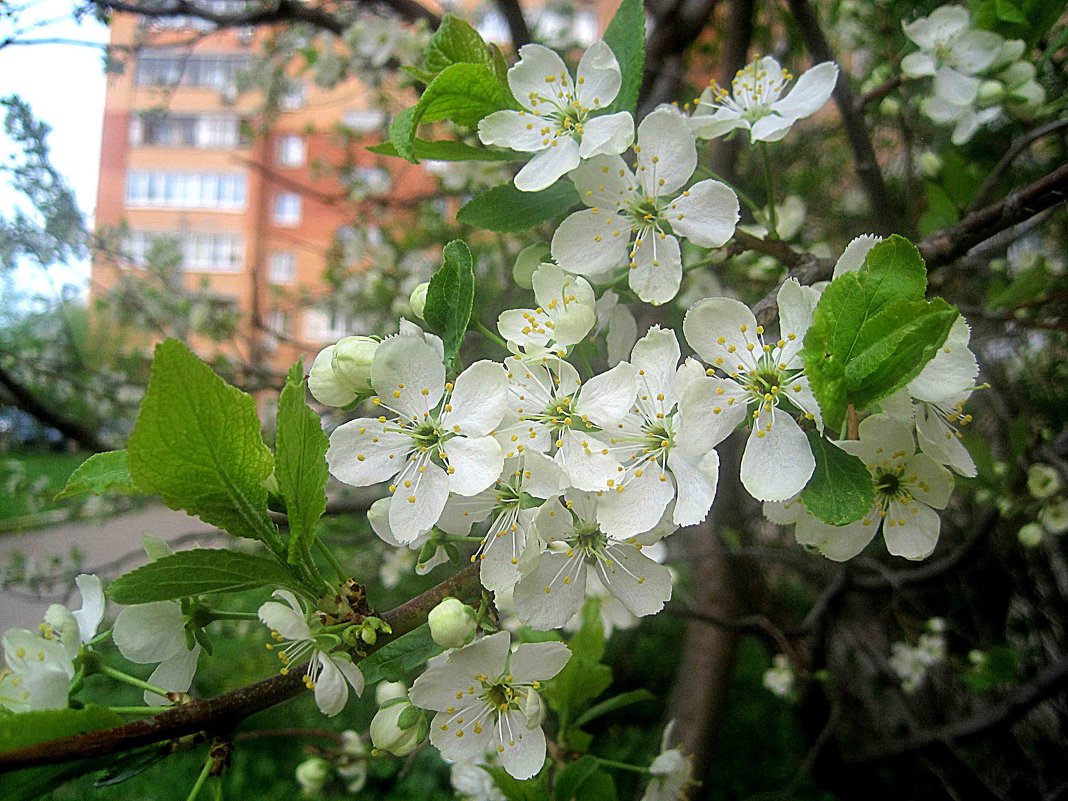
x,y
676,25
517,23
871,177
1050,681
224,711
72,429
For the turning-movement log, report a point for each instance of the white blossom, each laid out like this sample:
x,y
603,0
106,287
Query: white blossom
x,y
551,593
156,634
779,679
438,442
564,315
756,102
329,673
562,121
636,218
645,441
671,774
765,386
481,694
618,325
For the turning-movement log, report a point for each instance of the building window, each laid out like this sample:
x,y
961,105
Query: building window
x,y
215,252
199,70
327,325
294,97
291,151
186,130
363,120
287,208
185,190
278,322
282,267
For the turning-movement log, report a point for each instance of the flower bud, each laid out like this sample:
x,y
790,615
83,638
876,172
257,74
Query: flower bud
x,y
387,734
890,107
990,93
352,361
418,299
930,164
325,384
388,690
452,623
312,775
1018,74
1055,517
1042,481
1030,536
527,263
1010,51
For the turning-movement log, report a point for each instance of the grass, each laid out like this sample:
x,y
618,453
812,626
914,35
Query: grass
x,y
30,479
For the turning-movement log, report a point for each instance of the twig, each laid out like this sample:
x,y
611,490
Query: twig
x,y
1017,147
227,710
518,29
871,177
878,93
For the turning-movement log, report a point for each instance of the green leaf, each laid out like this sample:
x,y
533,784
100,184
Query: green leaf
x,y
573,776
584,677
840,490
1008,11
892,270
198,572
872,331
598,787
300,463
99,474
463,93
612,704
397,660
533,789
506,209
448,150
197,444
402,134
455,42
450,298
625,34
29,728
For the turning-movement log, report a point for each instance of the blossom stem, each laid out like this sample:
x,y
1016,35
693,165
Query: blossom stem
x,y
99,637
218,614
118,675
201,779
488,334
769,186
324,549
137,710
611,763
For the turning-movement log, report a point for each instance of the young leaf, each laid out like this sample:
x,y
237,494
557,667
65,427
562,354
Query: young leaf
x,y
450,298
448,150
455,42
625,34
397,660
612,704
197,572
840,490
300,463
463,93
893,270
197,444
99,474
505,209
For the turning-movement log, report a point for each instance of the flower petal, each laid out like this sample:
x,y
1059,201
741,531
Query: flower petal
x,y
479,400
607,135
289,623
362,452
153,632
549,165
409,376
604,182
811,91
636,506
585,243
331,689
543,599
911,530
524,751
656,268
777,462
696,480
518,130
415,508
92,611
475,464
928,481
598,77
714,319
538,661
710,409
667,153
588,462
607,397
174,674
639,583
528,77
706,214
852,258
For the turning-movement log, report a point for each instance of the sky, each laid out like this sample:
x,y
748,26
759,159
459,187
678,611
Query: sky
x,y
64,84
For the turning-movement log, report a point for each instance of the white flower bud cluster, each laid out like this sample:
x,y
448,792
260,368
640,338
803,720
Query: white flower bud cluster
x,y
910,663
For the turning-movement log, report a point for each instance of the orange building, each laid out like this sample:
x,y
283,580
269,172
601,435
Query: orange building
x,y
254,204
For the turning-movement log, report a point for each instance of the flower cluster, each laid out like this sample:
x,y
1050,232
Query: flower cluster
x,y
976,75
910,663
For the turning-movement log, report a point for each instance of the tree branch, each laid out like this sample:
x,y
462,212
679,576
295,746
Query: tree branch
x,y
71,429
225,711
871,177
1018,147
517,23
1025,698
676,25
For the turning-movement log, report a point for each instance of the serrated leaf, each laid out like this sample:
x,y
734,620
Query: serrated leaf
x,y
840,490
892,270
613,704
197,444
402,134
835,323
625,35
99,474
505,209
448,150
397,660
198,572
300,463
455,42
463,93
29,728
450,298
573,776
